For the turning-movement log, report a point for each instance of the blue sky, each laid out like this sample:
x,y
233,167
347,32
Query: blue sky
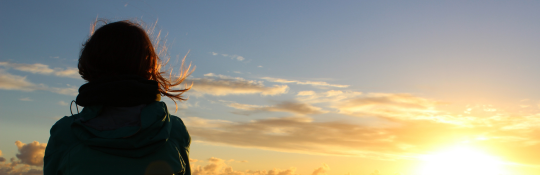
x,y
319,65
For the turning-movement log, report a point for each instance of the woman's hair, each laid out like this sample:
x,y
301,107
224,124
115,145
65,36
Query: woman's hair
x,y
124,48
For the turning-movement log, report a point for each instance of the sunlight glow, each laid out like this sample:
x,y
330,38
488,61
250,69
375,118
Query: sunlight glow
x,y
461,160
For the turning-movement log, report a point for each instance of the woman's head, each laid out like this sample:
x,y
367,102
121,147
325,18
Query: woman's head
x,y
118,48
124,48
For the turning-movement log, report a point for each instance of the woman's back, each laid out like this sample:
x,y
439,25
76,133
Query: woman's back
x,y
159,146
124,128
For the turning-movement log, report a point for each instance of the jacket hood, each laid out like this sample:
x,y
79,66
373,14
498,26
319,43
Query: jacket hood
x,y
129,141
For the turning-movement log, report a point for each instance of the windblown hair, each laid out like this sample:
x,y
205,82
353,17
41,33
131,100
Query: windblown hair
x,y
125,48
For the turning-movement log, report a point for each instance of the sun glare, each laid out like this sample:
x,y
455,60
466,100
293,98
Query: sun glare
x,y
463,161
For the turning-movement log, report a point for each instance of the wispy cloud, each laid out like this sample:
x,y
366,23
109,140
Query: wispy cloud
x,y
226,77
302,134
73,91
26,99
232,56
313,83
62,103
220,85
391,141
331,96
284,106
39,68
14,82
403,106
383,105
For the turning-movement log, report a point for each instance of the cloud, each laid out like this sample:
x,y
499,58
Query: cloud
x,y
39,68
29,160
33,68
217,166
331,96
384,140
20,171
69,72
403,106
284,106
294,134
232,56
73,91
321,170
14,82
62,103
2,159
313,83
226,77
385,105
31,153
223,85
239,161
391,106
26,99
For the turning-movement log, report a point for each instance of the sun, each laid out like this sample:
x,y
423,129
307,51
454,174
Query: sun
x,y
461,160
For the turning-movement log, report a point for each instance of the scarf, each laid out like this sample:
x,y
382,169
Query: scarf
x,y
118,91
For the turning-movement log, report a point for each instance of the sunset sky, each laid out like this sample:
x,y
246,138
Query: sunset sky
x,y
304,87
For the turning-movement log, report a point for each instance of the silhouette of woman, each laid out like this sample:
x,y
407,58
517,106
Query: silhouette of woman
x,y
124,128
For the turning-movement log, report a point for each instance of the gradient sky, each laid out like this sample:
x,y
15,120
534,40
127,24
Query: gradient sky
x,y
303,87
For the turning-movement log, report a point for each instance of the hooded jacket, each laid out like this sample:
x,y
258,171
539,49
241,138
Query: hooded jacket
x,y
118,138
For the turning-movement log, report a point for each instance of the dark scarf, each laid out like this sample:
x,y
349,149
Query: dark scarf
x,y
118,91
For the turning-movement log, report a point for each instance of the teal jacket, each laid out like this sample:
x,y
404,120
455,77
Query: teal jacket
x,y
158,145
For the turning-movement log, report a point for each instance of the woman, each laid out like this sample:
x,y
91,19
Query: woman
x,y
124,128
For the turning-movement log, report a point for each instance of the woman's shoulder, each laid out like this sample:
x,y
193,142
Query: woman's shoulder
x,y
61,130
178,124
179,131
62,124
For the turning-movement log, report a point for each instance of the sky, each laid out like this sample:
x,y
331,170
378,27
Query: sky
x,y
303,87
